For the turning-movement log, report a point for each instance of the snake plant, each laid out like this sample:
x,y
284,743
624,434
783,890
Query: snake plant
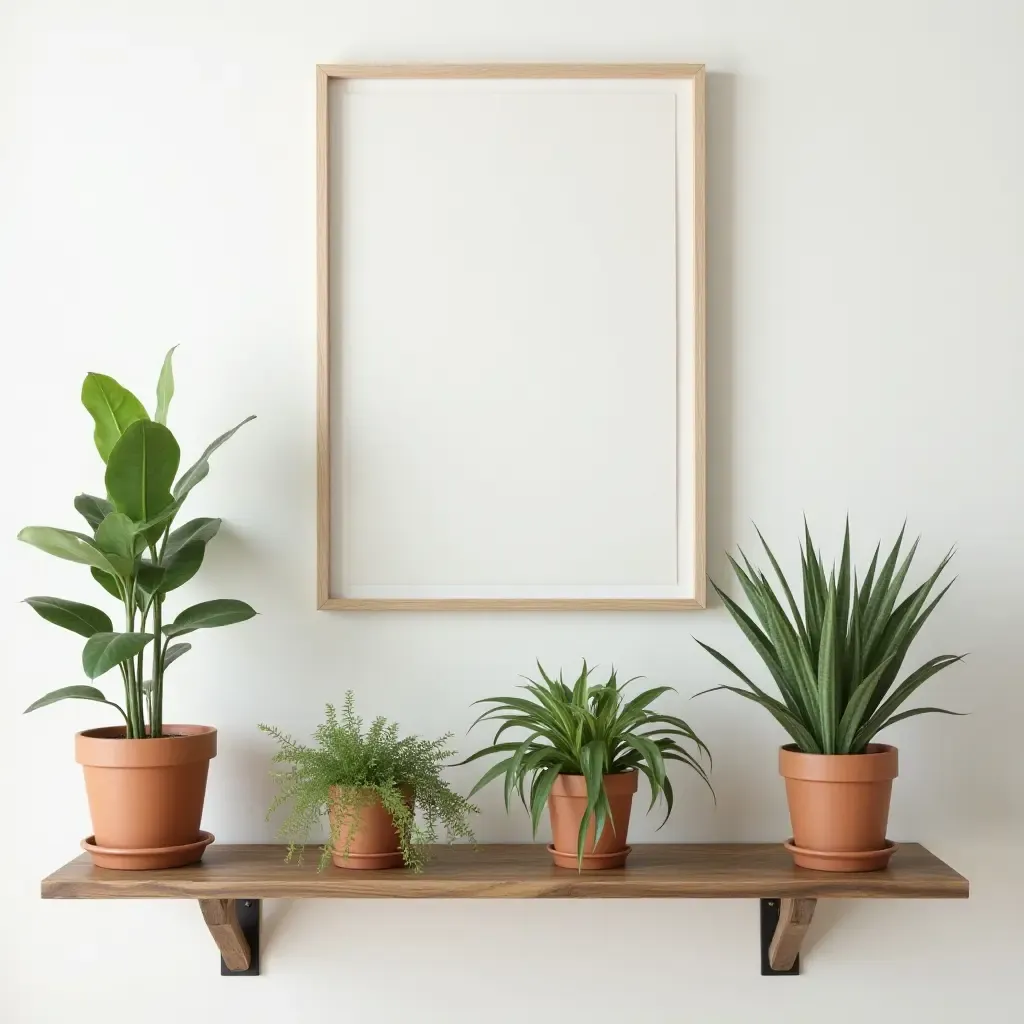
x,y
836,660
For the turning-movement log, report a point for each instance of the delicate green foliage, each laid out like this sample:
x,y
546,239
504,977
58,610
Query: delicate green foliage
x,y
224,612
586,729
835,661
82,619
165,387
113,408
135,554
349,767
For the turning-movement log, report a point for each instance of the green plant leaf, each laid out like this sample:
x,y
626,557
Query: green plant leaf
x,y
105,650
150,578
174,652
542,783
113,408
94,509
75,547
195,530
82,619
223,612
165,387
107,582
140,471
73,693
201,467
116,538
181,566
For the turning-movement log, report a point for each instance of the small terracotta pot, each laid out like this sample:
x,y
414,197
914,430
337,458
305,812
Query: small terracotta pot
x,y
566,806
375,842
146,795
839,807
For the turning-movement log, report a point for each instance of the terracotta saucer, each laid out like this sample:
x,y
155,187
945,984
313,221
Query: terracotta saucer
x,y
591,861
147,860
842,860
370,861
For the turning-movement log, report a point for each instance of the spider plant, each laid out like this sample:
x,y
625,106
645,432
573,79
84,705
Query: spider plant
x,y
586,729
836,662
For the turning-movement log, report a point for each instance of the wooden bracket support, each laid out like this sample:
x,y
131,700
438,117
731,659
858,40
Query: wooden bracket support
x,y
235,927
784,922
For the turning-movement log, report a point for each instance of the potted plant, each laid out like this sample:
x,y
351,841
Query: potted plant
x,y
835,664
585,750
145,780
369,784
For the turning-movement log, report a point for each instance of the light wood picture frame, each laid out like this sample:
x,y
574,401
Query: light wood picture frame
x,y
634,501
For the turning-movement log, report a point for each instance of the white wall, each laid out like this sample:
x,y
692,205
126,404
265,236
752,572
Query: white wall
x,y
865,354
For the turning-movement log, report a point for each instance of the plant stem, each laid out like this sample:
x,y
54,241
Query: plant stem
x,y
156,706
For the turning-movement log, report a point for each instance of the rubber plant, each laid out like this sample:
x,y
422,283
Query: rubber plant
x,y
585,747
369,783
139,556
134,553
836,656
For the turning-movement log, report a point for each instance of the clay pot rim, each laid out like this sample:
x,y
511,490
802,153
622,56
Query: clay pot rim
x,y
575,786
108,747
879,763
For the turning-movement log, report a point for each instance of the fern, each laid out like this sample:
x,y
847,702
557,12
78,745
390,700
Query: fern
x,y
366,765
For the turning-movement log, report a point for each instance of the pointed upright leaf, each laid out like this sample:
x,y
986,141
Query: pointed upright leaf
x,y
199,469
140,471
165,387
113,409
116,538
174,652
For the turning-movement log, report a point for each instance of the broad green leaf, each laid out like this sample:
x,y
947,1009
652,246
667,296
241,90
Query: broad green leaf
x,y
203,530
94,509
180,567
108,582
105,650
140,471
201,467
75,547
71,693
113,408
165,387
223,612
82,619
116,538
174,652
150,577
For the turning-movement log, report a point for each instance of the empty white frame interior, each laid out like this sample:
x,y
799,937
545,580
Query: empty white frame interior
x,y
513,340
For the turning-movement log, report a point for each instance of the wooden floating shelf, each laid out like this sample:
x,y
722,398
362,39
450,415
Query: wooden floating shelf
x,y
231,878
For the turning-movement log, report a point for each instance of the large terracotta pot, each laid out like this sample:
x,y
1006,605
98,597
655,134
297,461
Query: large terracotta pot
x,y
839,807
566,806
375,842
146,796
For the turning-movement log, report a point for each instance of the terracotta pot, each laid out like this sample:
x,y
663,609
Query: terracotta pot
x,y
839,807
146,795
566,806
375,842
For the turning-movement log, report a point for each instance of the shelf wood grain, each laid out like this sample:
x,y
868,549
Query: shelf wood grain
x,y
654,871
